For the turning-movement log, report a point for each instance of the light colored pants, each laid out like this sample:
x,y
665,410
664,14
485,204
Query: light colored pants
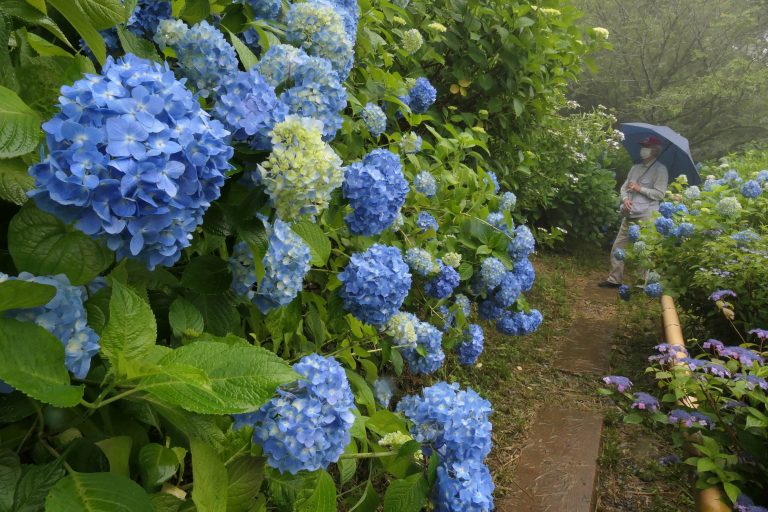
x,y
617,267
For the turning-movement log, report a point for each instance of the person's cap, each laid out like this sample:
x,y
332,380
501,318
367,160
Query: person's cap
x,y
651,141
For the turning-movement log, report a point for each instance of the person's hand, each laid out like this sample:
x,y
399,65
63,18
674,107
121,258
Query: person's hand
x,y
627,205
634,186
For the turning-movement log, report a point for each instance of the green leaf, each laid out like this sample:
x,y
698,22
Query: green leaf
x,y
323,497
97,492
10,472
210,478
242,378
219,312
32,361
103,13
407,495
131,43
732,491
362,391
131,331
157,464
195,10
246,55
118,452
74,14
368,502
39,5
41,244
207,275
31,16
8,77
35,484
185,318
244,477
164,502
44,48
316,239
24,294
19,125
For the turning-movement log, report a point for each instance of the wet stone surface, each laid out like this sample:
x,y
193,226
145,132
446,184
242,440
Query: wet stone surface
x,y
587,348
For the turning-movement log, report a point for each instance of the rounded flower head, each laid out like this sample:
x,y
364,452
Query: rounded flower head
x,y
311,88
452,259
262,9
285,265
665,226
762,177
654,290
620,383
307,426
683,230
645,402
443,284
639,247
732,176
522,245
508,291
667,209
619,254
489,310
410,143
383,391
402,327
633,233
350,14
169,32
318,29
412,41
63,316
525,274
243,271
248,107
133,160
374,118
425,183
625,292
692,192
751,189
519,324
205,58
376,190
302,170
427,356
374,284
471,345
146,17
421,96
492,271
508,202
425,221
728,206
465,486
420,261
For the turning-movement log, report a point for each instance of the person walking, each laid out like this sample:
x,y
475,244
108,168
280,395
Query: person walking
x,y
641,193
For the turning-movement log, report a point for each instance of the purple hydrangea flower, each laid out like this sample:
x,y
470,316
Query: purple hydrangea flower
x,y
744,355
721,294
668,353
617,381
645,402
760,333
689,419
752,381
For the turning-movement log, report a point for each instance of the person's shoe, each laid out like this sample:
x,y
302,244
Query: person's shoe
x,y
608,284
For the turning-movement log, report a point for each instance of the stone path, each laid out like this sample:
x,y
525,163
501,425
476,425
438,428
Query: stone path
x,y
557,470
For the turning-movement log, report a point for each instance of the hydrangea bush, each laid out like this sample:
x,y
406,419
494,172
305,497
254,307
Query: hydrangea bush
x,y
242,231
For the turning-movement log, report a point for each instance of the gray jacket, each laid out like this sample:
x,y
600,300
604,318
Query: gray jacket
x,y
653,182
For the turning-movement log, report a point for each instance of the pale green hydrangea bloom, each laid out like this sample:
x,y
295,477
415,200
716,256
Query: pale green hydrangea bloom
x,y
452,259
412,40
728,206
402,327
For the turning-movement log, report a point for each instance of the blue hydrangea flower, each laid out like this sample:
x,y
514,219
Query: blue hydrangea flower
x,y
745,237
654,290
374,118
133,160
169,32
681,209
692,192
751,189
425,183
425,221
665,226
421,96
383,391
525,274
508,202
667,209
147,15
63,316
307,426
205,58
489,310
302,170
248,107
508,291
318,29
460,304
619,254
262,9
376,190
420,261
762,176
683,230
427,356
243,270
410,143
285,265
732,176
496,219
471,345
621,384
311,86
522,245
625,292
520,323
491,179
374,284
350,14
492,271
443,284
111,42
464,486
634,233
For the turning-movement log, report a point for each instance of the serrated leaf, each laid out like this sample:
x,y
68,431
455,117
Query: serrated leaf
x,y
407,494
10,472
32,361
34,485
44,48
208,275
316,239
103,13
74,14
242,378
322,498
118,452
210,478
8,77
245,475
131,330
219,312
157,464
41,244
97,492
134,44
243,52
185,318
19,125
24,294
28,14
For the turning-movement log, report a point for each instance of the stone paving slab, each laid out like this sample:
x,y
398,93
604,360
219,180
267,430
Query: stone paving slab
x,y
587,347
558,466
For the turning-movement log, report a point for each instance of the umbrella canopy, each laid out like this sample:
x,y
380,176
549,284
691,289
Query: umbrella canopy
x,y
675,151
